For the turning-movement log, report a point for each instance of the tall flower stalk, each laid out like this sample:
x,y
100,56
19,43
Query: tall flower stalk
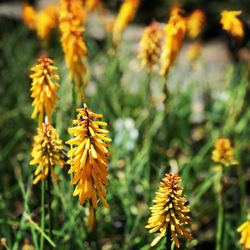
x,y
88,159
223,155
71,20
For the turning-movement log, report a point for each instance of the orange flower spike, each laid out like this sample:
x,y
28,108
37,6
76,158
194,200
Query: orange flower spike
x,y
232,24
88,158
44,88
47,20
71,21
125,16
175,31
170,211
151,45
195,23
29,16
46,152
223,152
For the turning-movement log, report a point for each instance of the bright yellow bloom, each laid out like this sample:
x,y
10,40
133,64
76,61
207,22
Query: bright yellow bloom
x,y
44,88
195,23
88,157
223,152
46,152
151,45
29,16
244,229
232,24
175,32
71,26
169,211
47,19
125,16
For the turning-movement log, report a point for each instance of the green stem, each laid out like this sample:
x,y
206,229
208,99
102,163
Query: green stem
x,y
49,202
242,184
42,215
220,220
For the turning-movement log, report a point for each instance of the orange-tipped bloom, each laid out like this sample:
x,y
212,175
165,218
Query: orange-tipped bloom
x,y
232,24
92,5
88,157
170,211
44,89
175,32
244,229
223,152
71,26
46,152
47,20
151,45
29,16
125,16
195,23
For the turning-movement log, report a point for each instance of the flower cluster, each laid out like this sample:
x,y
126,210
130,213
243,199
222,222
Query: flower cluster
x,y
151,45
223,152
195,23
175,32
125,16
232,24
46,152
169,213
244,229
43,22
88,157
71,26
44,89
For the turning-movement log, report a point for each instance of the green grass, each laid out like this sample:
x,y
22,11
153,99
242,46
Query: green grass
x,y
165,142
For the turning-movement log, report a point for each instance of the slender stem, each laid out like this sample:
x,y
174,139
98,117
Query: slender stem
x,y
168,238
220,220
148,89
49,202
42,215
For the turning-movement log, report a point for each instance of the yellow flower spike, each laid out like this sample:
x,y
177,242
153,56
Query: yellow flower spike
x,y
43,89
88,158
195,23
71,21
169,212
244,229
175,31
223,152
46,152
29,16
125,16
151,45
232,24
47,19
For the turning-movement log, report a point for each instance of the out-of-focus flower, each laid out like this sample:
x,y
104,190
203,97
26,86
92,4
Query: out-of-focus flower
x,y
88,158
223,152
194,52
232,24
92,5
44,88
125,16
151,45
29,16
244,229
71,26
170,211
175,32
126,134
47,20
195,23
46,152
